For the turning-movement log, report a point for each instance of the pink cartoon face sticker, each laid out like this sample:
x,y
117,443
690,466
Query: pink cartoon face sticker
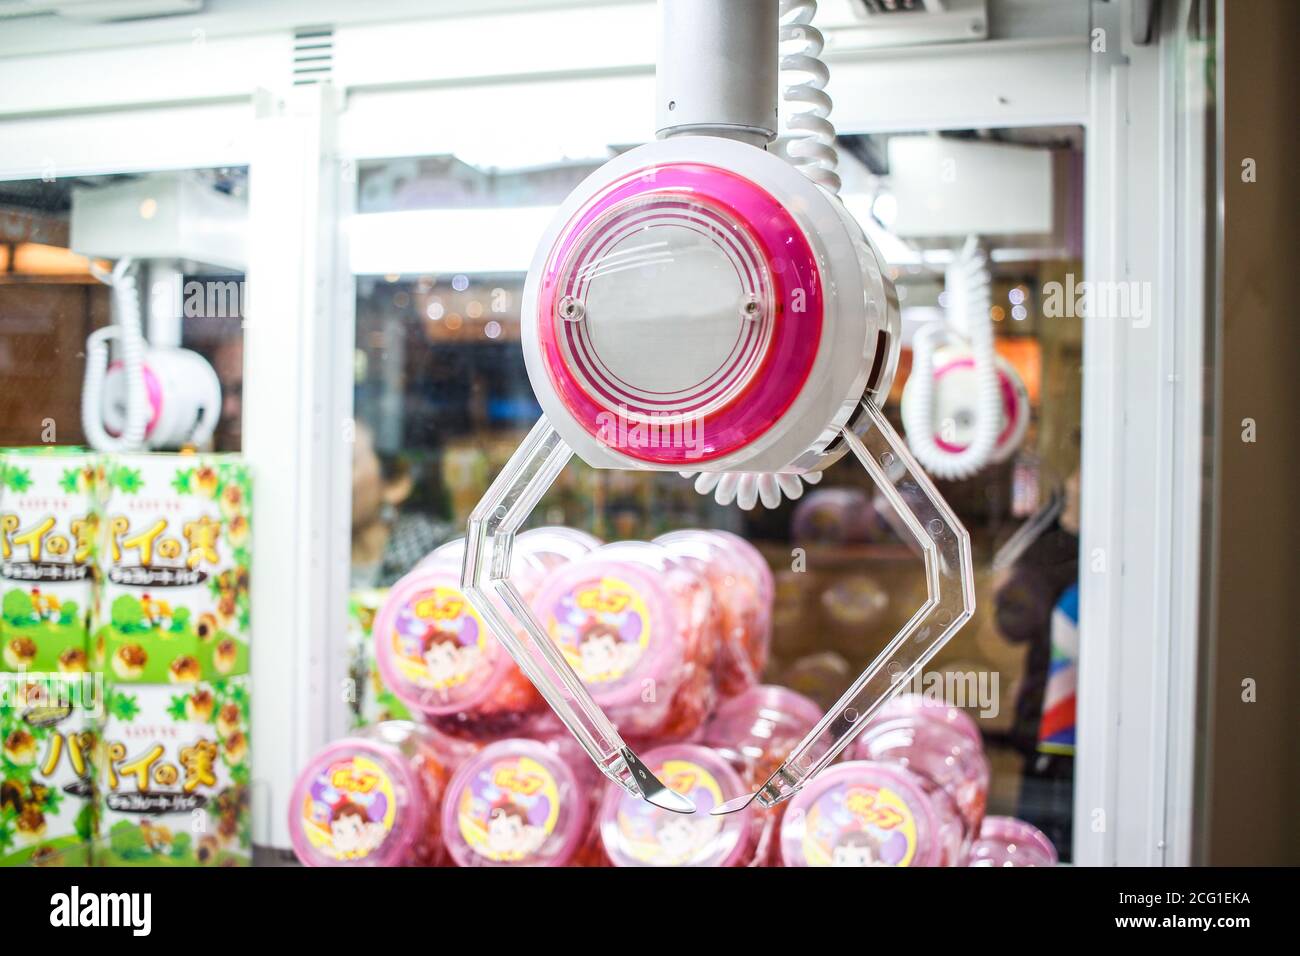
x,y
601,649
681,837
509,834
603,626
438,643
857,848
353,833
447,661
509,807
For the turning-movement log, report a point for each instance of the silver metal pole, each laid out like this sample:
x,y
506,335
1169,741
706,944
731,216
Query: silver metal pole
x,y
717,72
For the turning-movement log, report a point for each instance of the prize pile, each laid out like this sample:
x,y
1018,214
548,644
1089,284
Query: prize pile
x,y
457,761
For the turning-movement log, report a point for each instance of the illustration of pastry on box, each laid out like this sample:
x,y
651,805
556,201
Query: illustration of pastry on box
x,y
47,541
47,807
174,775
174,557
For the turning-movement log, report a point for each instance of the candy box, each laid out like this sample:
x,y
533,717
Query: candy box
x,y
174,775
174,555
47,746
47,541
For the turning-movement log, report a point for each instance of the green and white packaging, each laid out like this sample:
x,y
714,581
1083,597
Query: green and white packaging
x,y
47,750
175,553
174,775
47,558
372,702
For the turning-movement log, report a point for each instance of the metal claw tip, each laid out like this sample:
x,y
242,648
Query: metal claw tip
x,y
652,788
733,805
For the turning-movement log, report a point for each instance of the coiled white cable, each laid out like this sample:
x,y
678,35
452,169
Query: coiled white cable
x,y
969,286
807,135
126,328
806,141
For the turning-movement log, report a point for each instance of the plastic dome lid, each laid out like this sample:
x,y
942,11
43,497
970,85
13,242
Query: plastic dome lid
x,y
432,648
753,559
702,548
529,564
860,814
356,804
1006,841
635,833
555,545
758,713
916,705
936,751
516,803
615,622
683,293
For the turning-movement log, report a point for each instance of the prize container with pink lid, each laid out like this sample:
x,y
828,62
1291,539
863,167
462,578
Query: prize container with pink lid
x,y
753,559
638,627
755,732
554,545
936,751
758,729
521,802
636,833
863,813
438,656
374,798
925,708
538,549
743,589
1006,841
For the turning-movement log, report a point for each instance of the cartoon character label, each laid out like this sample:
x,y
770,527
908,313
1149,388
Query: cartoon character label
x,y
860,825
603,627
349,808
439,643
659,838
509,809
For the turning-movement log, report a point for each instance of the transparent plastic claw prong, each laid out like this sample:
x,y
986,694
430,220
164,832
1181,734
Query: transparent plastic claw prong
x,y
950,585
485,576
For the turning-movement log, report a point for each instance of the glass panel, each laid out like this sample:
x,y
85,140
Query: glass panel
x,y
183,235
443,400
442,396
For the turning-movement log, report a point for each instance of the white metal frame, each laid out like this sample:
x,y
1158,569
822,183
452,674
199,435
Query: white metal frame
x,y
552,80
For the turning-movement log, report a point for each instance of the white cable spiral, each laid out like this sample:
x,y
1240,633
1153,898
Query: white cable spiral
x,y
807,135
126,328
969,287
806,141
